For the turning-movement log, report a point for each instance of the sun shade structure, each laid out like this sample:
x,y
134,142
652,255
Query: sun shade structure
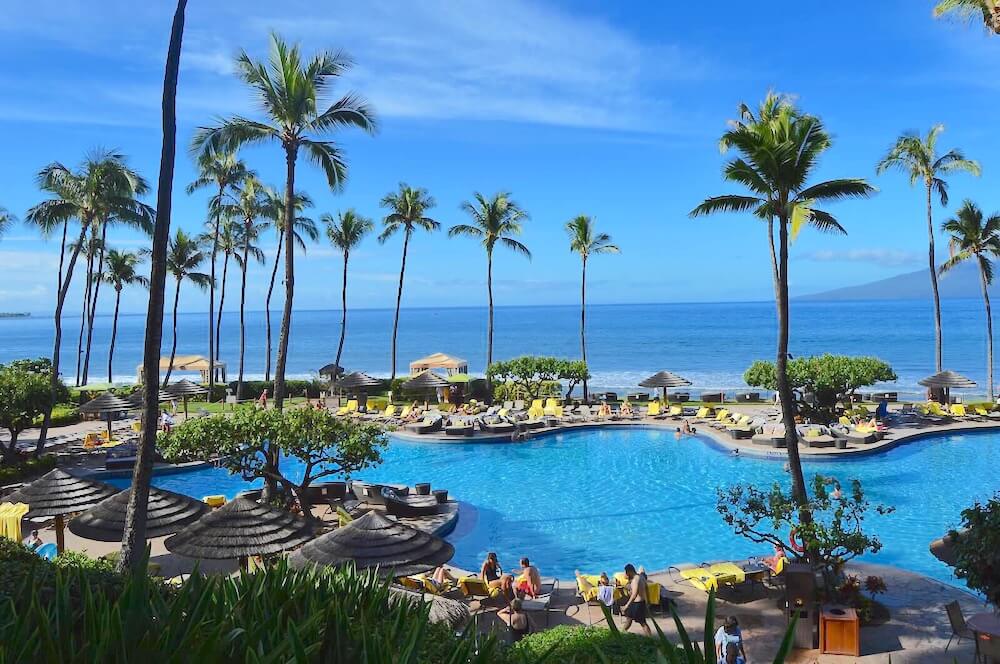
x,y
357,381
239,529
948,380
428,380
665,379
197,363
57,493
167,513
452,365
373,541
331,371
106,404
184,389
135,399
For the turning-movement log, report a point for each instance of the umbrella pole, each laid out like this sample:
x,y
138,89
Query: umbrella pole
x,y
109,427
60,534
186,406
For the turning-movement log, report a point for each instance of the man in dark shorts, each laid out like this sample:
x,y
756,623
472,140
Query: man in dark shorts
x,y
635,608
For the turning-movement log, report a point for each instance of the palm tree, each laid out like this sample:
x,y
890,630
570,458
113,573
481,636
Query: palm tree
x,y
986,10
407,212
7,219
226,245
494,220
101,188
134,531
917,157
303,227
972,238
183,259
90,250
780,148
251,203
223,171
289,90
345,233
121,272
584,241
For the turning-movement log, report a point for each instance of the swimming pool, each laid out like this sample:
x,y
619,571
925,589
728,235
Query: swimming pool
x,y
595,499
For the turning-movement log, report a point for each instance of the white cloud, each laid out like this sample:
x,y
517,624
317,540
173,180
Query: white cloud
x,y
882,257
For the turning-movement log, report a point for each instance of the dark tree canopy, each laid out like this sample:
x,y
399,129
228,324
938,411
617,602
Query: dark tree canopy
x,y
25,393
531,373
977,548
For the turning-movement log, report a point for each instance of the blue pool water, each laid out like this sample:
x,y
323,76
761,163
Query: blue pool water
x,y
596,499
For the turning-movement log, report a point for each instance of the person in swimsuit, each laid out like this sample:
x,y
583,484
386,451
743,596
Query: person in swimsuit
x,y
440,577
519,625
262,400
635,609
492,573
529,583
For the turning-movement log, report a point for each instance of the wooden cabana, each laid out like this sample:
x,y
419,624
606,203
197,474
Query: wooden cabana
x,y
191,363
450,365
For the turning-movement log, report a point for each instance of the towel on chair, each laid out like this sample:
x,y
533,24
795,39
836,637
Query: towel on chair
x,y
606,595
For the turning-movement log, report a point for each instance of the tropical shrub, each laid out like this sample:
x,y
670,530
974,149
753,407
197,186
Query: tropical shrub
x,y
977,548
852,592
62,415
531,374
20,567
71,615
26,467
513,391
834,535
820,383
25,393
327,445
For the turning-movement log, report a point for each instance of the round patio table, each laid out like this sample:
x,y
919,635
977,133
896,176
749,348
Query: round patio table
x,y
987,624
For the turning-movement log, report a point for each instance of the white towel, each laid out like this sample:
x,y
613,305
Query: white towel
x,y
606,595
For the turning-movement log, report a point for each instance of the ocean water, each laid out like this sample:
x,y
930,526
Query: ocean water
x,y
597,499
710,344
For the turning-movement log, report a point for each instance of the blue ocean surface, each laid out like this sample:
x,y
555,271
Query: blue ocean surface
x,y
710,344
597,499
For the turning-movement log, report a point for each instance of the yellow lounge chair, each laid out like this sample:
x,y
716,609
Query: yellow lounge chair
x,y
846,421
350,407
722,415
390,411
728,573
537,410
214,501
403,414
958,410
676,411
424,583
137,427
474,586
91,440
551,404
700,578
654,409
653,589
358,411
703,412
741,421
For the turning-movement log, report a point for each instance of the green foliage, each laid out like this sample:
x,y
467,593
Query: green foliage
x,y
531,374
828,378
977,548
293,388
62,415
835,533
24,468
68,612
580,645
326,444
514,391
25,393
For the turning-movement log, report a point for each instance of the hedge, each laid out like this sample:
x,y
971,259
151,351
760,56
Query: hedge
x,y
62,415
579,645
28,468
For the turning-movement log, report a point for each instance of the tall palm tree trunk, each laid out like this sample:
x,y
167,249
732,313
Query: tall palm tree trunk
x,y
989,333
343,314
267,305
281,361
583,321
173,345
114,331
932,263
98,278
399,299
222,301
243,299
212,346
57,340
134,537
83,317
489,297
781,371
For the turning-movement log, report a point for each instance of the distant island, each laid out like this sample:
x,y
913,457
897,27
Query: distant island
x,y
962,282
14,314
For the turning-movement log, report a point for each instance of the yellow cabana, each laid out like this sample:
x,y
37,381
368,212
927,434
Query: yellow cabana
x,y
451,365
190,363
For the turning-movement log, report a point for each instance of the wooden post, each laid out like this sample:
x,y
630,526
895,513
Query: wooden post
x,y
60,534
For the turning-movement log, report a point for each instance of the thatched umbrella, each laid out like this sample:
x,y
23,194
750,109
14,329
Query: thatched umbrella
x,y
665,379
167,513
331,371
239,529
426,381
373,541
184,389
357,382
442,609
948,380
106,404
161,396
57,494
944,548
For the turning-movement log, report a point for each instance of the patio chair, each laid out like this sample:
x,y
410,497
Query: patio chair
x,y
589,595
409,506
959,630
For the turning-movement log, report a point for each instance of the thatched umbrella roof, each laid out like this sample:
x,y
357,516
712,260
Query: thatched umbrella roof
x,y
331,370
239,529
372,541
442,609
185,388
57,493
427,380
167,513
948,379
135,399
106,403
357,381
665,379
944,548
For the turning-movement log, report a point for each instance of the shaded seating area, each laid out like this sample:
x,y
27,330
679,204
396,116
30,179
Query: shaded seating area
x,y
167,512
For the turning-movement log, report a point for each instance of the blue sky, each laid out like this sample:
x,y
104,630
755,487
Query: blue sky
x,y
607,109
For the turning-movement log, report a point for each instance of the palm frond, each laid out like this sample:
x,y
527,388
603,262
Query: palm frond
x,y
466,230
833,190
727,203
515,246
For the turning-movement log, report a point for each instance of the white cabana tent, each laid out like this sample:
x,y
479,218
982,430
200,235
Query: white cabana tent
x,y
450,365
191,363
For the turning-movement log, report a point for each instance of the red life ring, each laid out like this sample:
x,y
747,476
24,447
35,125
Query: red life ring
x,y
794,542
